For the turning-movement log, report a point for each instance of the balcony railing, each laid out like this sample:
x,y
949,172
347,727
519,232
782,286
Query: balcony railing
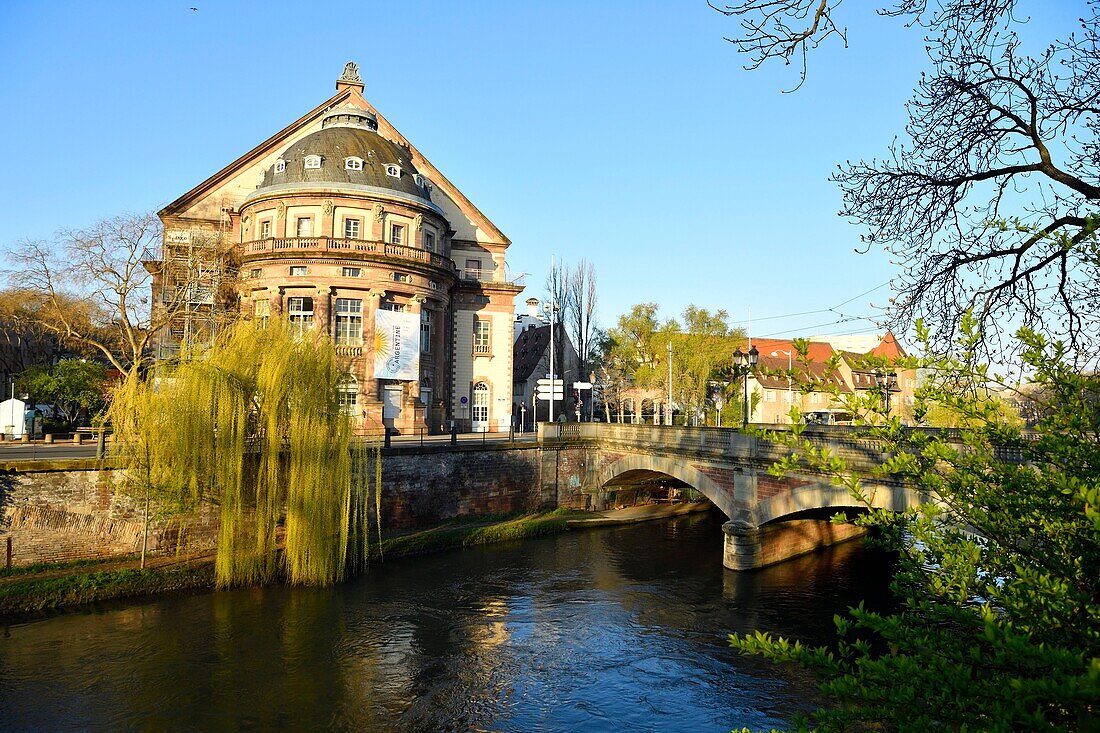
x,y
305,245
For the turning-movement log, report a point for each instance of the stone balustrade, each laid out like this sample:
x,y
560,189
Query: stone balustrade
x,y
323,245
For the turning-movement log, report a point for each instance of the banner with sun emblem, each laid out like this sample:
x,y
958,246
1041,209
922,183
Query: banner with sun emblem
x,y
396,345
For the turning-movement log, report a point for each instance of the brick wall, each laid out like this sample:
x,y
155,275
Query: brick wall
x,y
60,515
423,486
78,514
567,471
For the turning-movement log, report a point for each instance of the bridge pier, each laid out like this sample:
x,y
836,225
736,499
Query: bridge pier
x,y
748,547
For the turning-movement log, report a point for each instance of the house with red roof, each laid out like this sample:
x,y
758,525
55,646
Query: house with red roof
x,y
818,380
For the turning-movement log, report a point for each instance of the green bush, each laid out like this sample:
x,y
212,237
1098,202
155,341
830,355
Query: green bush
x,y
998,622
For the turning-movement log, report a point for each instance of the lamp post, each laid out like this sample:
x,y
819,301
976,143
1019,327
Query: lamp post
x,y
592,396
668,407
551,310
887,381
790,368
715,389
743,365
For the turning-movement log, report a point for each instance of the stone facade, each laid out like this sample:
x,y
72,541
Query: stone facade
x,y
331,220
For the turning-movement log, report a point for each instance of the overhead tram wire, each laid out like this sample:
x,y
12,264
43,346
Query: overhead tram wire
x,y
847,319
832,309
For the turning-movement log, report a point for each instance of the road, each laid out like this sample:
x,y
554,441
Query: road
x,y
41,451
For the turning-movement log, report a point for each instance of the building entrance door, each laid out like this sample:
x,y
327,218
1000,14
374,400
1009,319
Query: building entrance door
x,y
479,412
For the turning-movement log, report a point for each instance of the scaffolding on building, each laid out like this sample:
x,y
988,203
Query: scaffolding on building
x,y
194,278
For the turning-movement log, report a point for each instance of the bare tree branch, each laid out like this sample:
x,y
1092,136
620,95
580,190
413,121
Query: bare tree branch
x,y
92,288
991,202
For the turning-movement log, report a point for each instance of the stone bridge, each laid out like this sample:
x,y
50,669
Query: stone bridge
x,y
770,519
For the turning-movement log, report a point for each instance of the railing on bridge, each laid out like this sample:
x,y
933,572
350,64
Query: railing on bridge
x,y
713,442
847,442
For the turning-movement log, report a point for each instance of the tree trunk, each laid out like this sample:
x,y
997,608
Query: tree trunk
x,y
145,531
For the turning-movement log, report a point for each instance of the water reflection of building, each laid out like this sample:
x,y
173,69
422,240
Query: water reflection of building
x,y
338,224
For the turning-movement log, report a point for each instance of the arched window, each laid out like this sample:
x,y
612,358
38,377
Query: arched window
x,y
426,391
313,161
347,395
353,164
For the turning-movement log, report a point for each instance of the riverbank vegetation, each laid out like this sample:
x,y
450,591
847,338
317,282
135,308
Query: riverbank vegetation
x,y
253,425
33,594
30,591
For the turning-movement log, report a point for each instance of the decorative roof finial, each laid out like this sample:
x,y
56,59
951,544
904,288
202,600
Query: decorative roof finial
x,y
351,73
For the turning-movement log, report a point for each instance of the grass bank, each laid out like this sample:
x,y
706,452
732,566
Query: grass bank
x,y
32,591
468,533
29,596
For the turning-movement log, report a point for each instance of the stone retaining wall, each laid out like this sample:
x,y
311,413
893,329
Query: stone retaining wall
x,y
63,511
421,486
62,515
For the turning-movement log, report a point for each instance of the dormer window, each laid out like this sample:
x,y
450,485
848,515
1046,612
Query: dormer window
x,y
280,165
353,164
423,182
393,170
313,162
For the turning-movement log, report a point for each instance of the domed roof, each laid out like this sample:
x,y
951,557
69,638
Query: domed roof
x,y
374,161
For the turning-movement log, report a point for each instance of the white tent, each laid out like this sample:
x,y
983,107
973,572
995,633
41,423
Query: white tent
x,y
13,418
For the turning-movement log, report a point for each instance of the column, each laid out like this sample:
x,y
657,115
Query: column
x,y
322,310
276,305
370,384
417,412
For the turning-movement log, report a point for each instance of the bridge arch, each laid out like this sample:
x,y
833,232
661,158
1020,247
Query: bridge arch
x,y
705,485
818,493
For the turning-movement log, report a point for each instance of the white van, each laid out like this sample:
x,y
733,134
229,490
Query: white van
x,y
828,417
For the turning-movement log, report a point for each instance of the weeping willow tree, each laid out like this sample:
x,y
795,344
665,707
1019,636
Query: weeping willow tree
x,y
252,425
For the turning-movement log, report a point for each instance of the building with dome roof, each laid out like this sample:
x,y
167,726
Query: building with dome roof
x,y
339,225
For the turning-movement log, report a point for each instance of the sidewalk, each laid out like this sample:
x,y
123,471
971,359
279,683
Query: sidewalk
x,y
643,513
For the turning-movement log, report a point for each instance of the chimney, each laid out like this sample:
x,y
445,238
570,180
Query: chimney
x,y
533,307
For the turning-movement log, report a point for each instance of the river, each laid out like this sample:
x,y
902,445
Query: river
x,y
597,630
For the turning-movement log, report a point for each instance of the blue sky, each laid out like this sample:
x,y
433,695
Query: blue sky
x,y
626,133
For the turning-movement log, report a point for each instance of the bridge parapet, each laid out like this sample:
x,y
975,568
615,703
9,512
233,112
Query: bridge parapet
x,y
730,444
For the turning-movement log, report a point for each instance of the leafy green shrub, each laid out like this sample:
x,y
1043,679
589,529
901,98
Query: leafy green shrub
x,y
998,624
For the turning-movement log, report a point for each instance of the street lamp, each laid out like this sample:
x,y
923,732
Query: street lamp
x,y
790,368
668,408
743,366
887,381
719,401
